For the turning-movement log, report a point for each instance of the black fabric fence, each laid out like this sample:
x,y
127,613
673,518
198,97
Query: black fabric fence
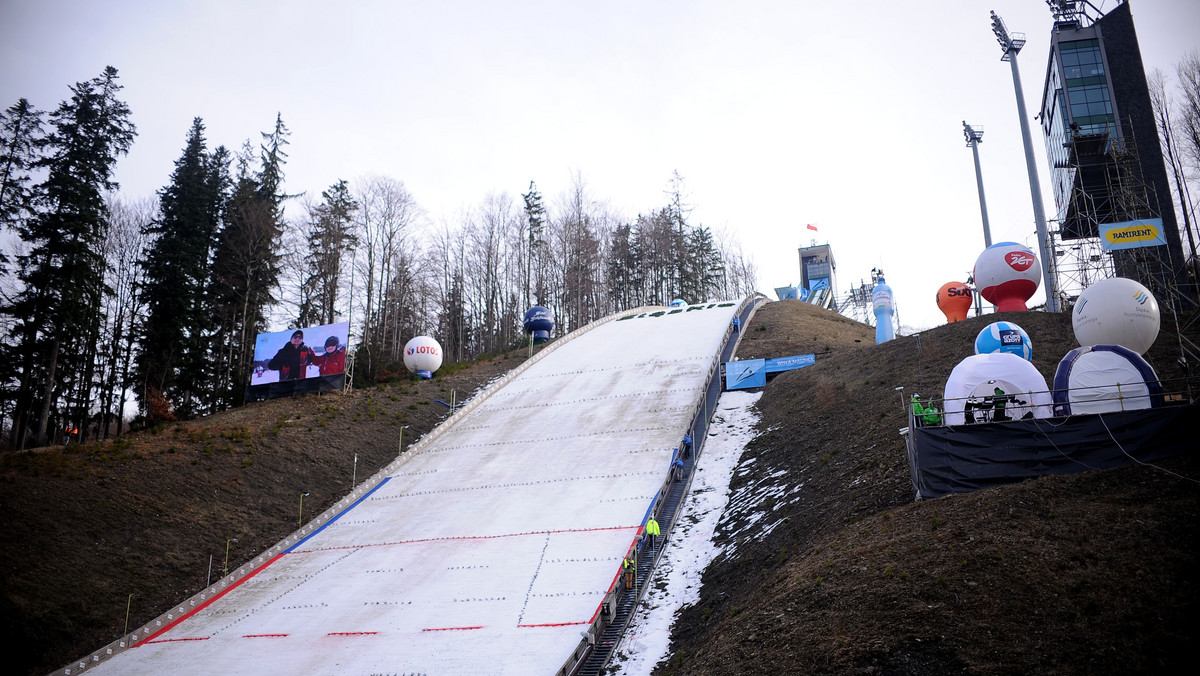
x,y
965,458
287,388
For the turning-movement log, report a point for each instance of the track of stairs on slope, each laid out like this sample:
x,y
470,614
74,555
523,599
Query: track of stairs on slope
x,y
602,651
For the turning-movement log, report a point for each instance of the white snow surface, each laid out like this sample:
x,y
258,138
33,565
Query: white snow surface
x,y
689,549
489,550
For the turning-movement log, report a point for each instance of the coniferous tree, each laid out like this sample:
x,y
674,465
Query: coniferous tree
x,y
621,267
20,137
535,215
330,237
58,309
706,269
174,333
677,211
246,264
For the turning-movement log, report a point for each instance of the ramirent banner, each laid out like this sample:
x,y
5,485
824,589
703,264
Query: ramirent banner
x,y
1132,234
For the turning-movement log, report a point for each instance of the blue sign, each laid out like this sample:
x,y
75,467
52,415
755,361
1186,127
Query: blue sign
x,y
748,373
744,374
789,363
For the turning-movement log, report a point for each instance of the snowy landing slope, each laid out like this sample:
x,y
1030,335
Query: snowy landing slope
x,y
486,550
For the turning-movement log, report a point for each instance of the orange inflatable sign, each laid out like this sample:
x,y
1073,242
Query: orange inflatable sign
x,y
954,299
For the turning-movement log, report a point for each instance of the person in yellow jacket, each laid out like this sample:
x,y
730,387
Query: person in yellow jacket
x,y
652,530
630,568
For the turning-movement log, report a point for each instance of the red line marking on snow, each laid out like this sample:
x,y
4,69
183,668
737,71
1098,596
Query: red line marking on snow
x,y
175,640
451,628
264,635
171,625
552,624
352,633
466,537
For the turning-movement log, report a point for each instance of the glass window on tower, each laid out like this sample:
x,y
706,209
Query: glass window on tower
x,y
1089,103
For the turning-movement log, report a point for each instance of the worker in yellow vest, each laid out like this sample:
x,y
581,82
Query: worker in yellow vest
x,y
652,530
630,568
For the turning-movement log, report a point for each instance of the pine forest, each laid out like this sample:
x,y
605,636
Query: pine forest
x,y
120,312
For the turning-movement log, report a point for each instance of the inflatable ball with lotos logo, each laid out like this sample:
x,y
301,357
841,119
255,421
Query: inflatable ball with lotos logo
x,y
1007,274
423,356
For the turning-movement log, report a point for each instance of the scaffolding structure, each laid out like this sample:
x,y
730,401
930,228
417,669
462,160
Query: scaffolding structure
x,y
1112,191
1108,188
857,303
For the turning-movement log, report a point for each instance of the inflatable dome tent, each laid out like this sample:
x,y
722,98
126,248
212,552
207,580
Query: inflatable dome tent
x,y
1104,379
993,387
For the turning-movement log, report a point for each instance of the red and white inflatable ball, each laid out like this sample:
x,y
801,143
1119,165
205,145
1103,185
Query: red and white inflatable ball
x,y
1116,311
423,356
1006,275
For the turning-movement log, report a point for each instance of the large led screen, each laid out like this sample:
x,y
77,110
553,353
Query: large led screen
x,y
297,354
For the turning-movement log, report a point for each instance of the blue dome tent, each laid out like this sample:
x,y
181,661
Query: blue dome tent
x,y
1104,379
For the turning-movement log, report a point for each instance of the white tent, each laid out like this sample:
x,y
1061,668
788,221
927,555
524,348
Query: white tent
x,y
1104,379
993,387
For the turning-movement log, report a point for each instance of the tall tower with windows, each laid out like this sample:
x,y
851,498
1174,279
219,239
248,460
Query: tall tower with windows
x,y
1115,214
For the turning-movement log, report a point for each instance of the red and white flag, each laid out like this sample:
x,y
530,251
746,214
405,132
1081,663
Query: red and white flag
x,y
812,227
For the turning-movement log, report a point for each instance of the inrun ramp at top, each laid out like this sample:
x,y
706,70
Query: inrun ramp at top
x,y
487,550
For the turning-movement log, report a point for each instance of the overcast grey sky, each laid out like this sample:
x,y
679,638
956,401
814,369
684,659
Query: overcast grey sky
x,y
847,115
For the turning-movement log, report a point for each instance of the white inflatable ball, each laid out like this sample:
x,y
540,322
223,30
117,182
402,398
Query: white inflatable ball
x,y
1007,274
1116,311
423,356
1004,337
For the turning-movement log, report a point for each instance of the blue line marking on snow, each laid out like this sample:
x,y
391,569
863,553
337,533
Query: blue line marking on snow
x,y
340,515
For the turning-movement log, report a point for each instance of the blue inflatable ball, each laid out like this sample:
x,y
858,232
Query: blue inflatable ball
x,y
678,302
1004,337
539,322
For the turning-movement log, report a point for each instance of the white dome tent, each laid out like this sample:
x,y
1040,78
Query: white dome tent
x,y
1104,379
995,386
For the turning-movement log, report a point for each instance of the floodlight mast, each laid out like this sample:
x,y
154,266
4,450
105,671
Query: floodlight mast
x,y
974,138
1012,43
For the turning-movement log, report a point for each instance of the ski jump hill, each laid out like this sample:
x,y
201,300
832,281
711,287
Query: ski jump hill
x,y
493,546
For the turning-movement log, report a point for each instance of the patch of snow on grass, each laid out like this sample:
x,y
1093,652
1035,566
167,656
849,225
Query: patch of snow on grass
x,y
689,549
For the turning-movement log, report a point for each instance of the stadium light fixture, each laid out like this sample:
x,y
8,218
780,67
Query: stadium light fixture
x,y
1012,43
974,136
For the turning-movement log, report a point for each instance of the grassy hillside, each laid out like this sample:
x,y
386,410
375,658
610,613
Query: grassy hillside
x,y
841,572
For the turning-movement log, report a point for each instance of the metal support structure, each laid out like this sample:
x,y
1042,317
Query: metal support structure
x,y
974,138
1012,44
